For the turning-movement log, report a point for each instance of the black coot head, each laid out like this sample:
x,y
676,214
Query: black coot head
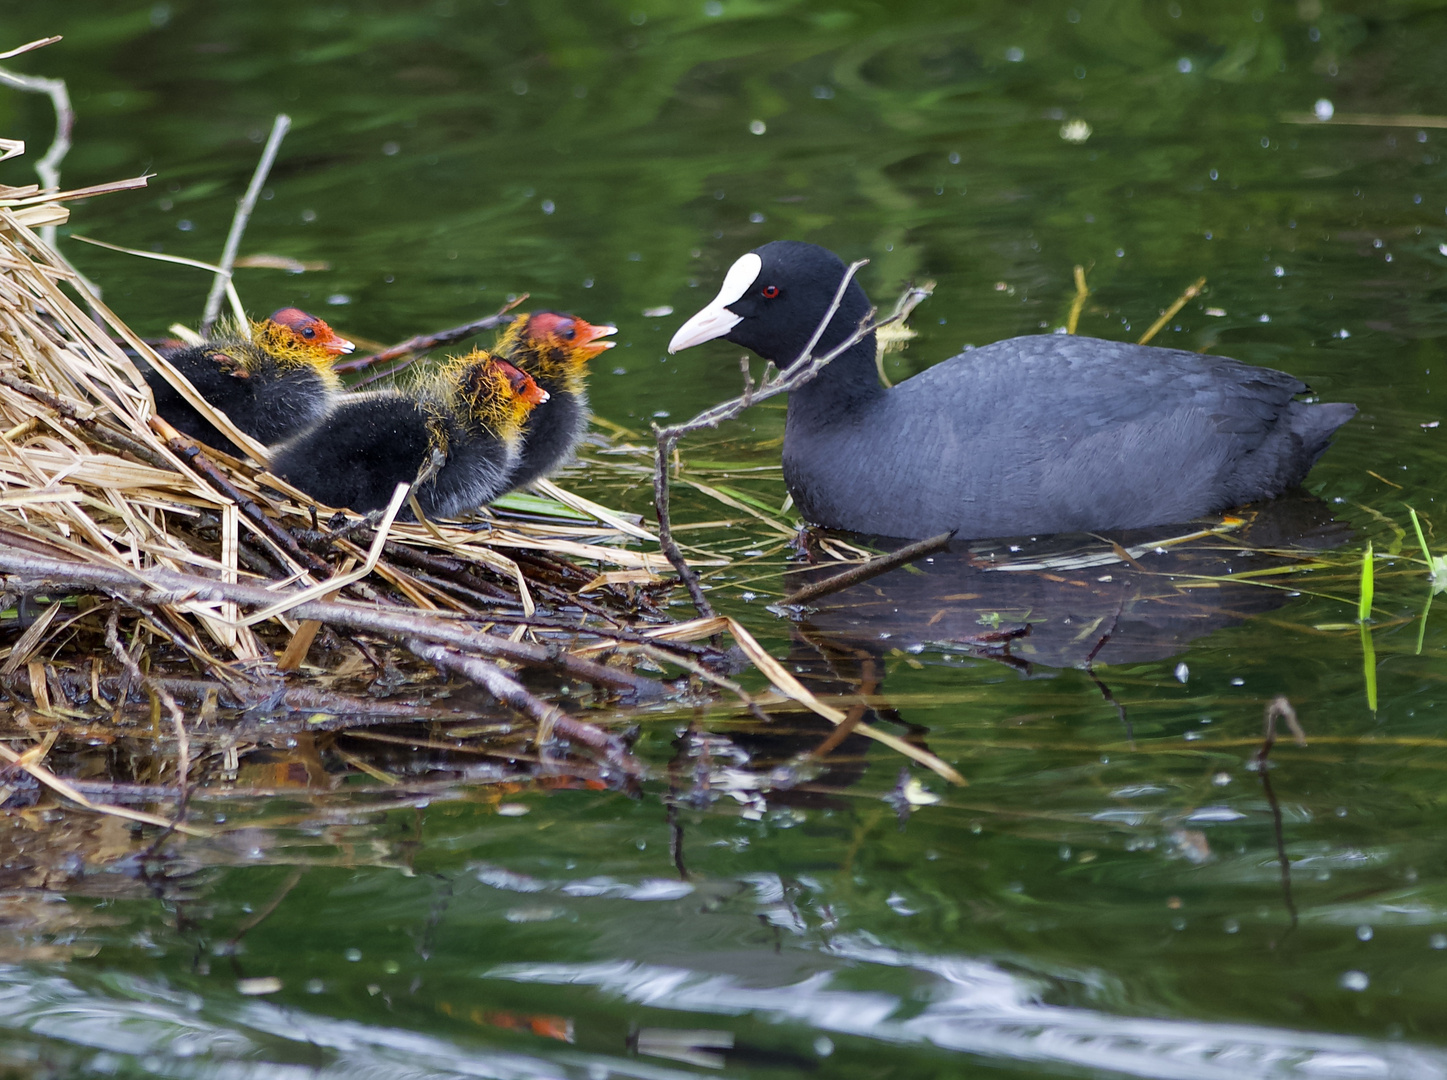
x,y
772,300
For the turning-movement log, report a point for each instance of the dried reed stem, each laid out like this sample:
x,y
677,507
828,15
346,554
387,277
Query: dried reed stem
x,y
279,127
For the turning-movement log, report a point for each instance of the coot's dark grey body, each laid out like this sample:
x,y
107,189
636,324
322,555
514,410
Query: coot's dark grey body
x,y
1032,435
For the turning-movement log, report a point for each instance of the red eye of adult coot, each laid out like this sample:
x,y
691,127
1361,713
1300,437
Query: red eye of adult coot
x,y
770,291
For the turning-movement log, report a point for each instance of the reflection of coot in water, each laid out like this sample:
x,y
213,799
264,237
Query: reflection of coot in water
x,y
1081,601
1060,601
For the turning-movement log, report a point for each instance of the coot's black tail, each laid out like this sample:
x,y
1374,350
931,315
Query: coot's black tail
x,y
1314,425
1301,434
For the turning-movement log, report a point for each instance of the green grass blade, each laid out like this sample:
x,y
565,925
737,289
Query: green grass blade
x,y
1364,598
1369,667
1422,540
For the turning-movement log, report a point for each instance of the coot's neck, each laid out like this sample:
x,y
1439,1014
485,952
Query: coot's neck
x,y
846,384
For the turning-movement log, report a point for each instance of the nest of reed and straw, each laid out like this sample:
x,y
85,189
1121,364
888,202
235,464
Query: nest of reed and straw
x,y
178,592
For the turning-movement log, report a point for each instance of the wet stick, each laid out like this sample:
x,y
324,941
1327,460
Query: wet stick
x,y
187,592
873,568
1191,293
1082,293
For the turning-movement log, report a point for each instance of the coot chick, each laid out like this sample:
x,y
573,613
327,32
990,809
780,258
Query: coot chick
x,y
471,412
273,381
554,349
1042,434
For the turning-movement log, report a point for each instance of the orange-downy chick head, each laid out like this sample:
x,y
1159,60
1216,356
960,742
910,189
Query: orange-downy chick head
x,y
554,347
293,337
488,393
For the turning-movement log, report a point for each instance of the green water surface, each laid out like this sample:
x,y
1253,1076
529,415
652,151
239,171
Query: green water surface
x,y
1104,898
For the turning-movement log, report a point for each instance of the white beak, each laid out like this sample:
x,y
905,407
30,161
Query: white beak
x,y
716,320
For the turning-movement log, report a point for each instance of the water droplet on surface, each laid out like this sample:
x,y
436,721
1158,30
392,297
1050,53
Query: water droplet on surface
x,y
758,127
1354,980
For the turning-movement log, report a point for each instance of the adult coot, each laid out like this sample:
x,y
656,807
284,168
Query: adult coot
x,y
1043,434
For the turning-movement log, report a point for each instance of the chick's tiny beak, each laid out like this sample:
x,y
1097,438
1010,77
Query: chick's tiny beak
x,y
339,345
588,338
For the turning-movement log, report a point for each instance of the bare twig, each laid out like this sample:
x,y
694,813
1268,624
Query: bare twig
x,y
1279,707
420,343
280,126
38,573
550,719
1192,291
771,384
1082,293
872,568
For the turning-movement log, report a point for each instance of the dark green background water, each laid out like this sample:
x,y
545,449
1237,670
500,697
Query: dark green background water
x,y
1050,920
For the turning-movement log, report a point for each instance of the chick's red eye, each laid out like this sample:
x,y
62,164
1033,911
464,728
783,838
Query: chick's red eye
x,y
770,291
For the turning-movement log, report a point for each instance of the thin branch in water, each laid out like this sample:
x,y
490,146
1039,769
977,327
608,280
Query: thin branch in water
x,y
550,719
1279,708
1192,291
873,568
1082,293
280,126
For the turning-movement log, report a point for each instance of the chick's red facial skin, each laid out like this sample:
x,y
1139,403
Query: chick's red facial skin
x,y
570,331
311,330
522,384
